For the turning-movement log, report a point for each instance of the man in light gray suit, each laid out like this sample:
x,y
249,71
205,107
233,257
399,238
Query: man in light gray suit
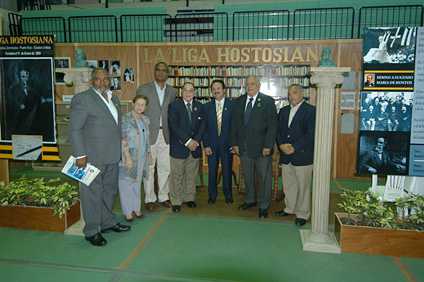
x,y
160,96
95,136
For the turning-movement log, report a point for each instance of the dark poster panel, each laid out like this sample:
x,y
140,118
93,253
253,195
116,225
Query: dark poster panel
x,y
383,153
26,88
389,55
386,111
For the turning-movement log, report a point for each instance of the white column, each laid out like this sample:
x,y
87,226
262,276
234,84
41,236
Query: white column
x,y
319,239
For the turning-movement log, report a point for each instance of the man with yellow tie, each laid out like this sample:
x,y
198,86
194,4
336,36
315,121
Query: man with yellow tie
x,y
216,141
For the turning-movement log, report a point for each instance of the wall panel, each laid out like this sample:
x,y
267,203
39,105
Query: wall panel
x,y
143,56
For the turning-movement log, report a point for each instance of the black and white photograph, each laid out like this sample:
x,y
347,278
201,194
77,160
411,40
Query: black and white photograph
x,y
62,62
103,64
386,111
59,78
27,98
92,64
129,74
389,45
383,153
115,67
115,83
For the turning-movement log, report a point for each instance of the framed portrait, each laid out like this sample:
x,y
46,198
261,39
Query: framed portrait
x,y
62,62
92,64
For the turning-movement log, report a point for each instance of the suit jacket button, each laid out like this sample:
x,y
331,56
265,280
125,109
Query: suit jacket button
x,y
288,136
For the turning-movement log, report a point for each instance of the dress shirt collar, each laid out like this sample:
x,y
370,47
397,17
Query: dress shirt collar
x,y
253,101
109,93
158,87
219,102
295,108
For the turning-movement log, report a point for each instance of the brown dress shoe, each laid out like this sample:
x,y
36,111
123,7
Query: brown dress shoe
x,y
167,203
150,206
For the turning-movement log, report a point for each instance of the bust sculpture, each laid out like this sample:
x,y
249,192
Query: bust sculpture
x,y
80,61
325,60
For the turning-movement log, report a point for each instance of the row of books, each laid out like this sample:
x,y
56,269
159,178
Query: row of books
x,y
239,82
294,70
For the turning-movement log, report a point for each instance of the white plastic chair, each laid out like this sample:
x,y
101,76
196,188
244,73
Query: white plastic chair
x,y
397,186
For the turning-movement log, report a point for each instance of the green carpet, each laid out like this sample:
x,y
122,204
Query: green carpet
x,y
210,243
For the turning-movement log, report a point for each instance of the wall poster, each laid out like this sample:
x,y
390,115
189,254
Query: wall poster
x,y
391,102
27,97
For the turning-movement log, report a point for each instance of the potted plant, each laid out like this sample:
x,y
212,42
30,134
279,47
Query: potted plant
x,y
381,228
25,202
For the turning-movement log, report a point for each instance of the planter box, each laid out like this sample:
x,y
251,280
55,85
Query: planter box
x,y
378,241
38,218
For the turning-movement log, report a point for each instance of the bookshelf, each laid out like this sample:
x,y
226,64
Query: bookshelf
x,y
275,79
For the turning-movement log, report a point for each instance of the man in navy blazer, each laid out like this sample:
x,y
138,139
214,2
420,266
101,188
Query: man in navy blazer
x,y
295,140
253,129
187,125
217,141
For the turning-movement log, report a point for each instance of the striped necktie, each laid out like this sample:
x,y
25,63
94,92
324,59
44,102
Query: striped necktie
x,y
189,111
219,117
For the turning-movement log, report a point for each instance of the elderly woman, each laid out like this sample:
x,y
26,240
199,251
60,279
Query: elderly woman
x,y
135,157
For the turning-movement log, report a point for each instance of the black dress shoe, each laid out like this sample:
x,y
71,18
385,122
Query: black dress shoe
x,y
263,213
191,204
229,200
247,206
141,216
96,240
176,209
300,221
282,213
211,201
117,228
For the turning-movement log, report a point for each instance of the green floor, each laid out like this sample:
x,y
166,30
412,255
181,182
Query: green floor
x,y
209,243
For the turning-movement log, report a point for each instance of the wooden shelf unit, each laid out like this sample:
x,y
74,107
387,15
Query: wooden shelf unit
x,y
275,79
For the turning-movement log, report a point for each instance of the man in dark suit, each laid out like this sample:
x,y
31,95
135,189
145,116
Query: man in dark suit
x,y
160,96
379,161
23,103
295,140
95,136
187,124
253,129
217,141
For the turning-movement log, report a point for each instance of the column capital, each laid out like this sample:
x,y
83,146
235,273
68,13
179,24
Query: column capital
x,y
328,76
78,77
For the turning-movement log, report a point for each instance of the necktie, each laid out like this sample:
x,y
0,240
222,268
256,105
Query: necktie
x,y
189,111
219,117
248,111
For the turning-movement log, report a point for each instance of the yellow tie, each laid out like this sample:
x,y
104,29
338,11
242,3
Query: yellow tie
x,y
219,117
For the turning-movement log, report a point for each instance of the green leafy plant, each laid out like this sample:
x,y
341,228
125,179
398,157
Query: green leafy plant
x,y
405,213
411,212
36,192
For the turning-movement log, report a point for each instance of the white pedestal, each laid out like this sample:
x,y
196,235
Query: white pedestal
x,y
326,244
318,239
